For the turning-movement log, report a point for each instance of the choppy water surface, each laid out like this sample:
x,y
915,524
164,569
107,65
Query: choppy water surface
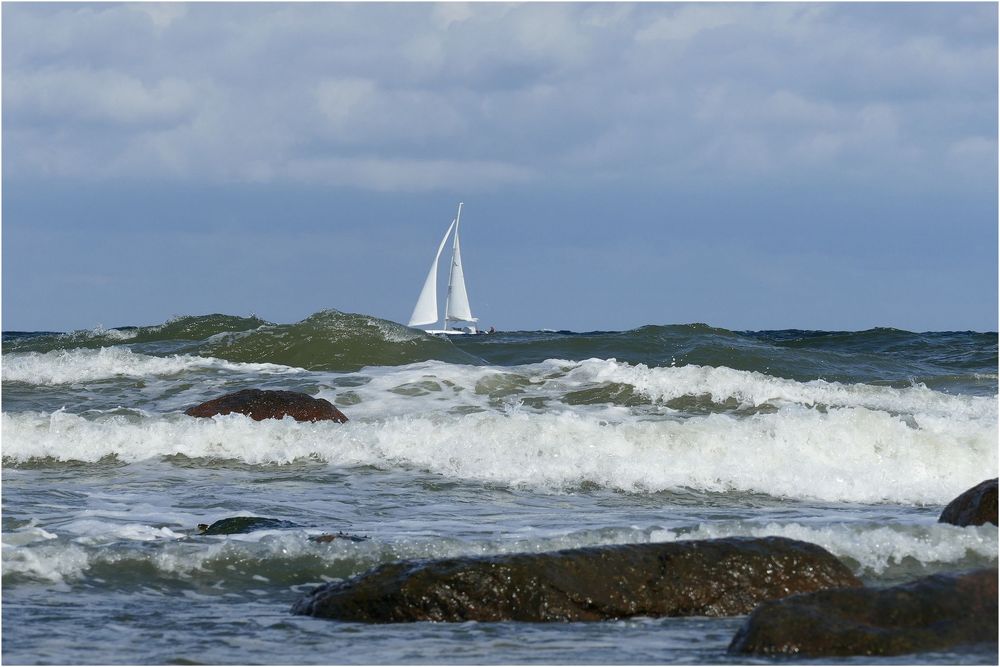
x,y
524,441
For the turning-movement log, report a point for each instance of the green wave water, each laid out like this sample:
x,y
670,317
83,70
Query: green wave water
x,y
332,340
186,329
337,341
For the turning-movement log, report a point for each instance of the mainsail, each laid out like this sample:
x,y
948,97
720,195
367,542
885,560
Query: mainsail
x,y
458,299
426,310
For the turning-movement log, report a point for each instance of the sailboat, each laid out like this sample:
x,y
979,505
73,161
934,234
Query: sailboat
x,y
456,304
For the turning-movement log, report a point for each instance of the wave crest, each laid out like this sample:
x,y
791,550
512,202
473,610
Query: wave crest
x,y
841,455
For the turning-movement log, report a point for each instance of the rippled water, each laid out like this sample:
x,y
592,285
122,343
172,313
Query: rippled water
x,y
525,441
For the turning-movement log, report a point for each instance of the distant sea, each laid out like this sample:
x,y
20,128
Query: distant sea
x,y
522,441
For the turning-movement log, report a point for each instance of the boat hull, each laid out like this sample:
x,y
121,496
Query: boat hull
x,y
452,332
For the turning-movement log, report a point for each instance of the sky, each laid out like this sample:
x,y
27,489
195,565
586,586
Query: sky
x,y
748,166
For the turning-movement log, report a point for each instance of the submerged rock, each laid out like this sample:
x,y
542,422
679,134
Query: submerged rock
x,y
933,613
243,524
692,578
330,537
261,404
975,507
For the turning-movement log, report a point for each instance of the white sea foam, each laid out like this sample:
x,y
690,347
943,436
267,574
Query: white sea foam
x,y
26,535
96,531
55,561
841,454
394,333
87,365
100,331
874,548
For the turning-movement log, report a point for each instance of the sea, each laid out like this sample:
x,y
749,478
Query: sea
x,y
519,441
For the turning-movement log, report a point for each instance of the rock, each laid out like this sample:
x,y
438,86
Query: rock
x,y
330,537
692,578
243,524
975,507
261,404
933,613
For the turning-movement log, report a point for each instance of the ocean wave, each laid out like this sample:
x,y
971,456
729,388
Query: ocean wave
x,y
187,328
622,390
112,550
841,454
88,365
335,341
751,388
870,549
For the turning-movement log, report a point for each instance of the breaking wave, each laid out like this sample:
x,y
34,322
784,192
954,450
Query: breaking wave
x,y
289,558
850,454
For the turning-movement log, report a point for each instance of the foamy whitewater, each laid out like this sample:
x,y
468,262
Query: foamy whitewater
x,y
523,441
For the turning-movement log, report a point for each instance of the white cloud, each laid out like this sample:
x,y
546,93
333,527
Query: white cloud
x,y
359,93
72,95
975,147
407,175
358,111
162,14
344,100
688,21
444,14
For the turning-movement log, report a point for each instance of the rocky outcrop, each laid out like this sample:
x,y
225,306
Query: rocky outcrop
x,y
975,507
692,578
261,404
243,524
933,613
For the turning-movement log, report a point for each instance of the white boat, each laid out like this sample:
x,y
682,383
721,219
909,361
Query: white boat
x,y
456,304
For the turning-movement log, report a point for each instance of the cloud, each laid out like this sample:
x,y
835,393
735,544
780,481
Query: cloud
x,y
357,111
80,95
407,175
688,21
485,95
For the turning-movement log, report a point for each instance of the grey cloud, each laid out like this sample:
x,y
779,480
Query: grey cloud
x,y
423,96
111,97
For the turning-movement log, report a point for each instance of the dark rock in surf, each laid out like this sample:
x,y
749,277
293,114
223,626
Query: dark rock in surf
x,y
243,524
261,404
330,537
693,578
930,614
975,507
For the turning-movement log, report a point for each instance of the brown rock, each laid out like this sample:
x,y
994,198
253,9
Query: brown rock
x,y
933,613
692,578
975,507
261,404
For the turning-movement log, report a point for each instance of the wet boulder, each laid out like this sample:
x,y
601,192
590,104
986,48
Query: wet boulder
x,y
975,507
690,578
333,537
243,524
261,404
930,614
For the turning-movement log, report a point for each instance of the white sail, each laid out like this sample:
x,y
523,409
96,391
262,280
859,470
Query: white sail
x,y
458,298
426,310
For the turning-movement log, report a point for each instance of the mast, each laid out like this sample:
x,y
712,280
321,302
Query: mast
x,y
451,270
